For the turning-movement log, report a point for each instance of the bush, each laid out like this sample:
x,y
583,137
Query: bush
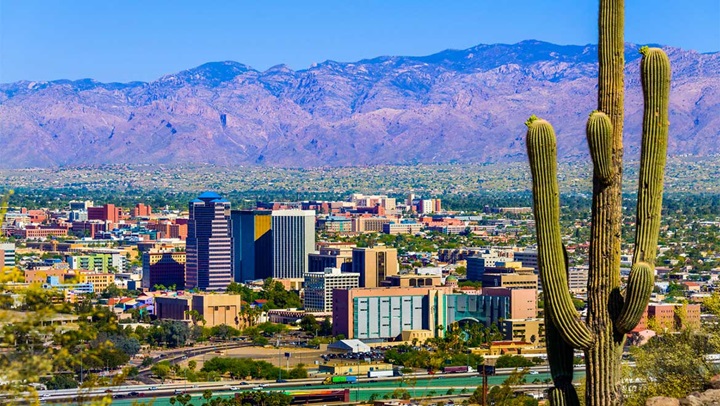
x,y
513,361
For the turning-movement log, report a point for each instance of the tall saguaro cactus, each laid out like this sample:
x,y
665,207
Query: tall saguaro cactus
x,y
612,313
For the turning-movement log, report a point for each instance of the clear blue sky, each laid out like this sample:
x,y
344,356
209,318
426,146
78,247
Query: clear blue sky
x,y
112,40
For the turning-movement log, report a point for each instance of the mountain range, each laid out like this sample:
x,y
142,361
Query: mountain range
x,y
464,106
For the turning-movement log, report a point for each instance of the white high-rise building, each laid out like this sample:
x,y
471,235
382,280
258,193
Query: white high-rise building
x,y
293,234
319,287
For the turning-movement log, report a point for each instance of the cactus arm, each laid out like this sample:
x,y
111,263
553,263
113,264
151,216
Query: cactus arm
x,y
639,288
599,137
561,358
655,76
542,153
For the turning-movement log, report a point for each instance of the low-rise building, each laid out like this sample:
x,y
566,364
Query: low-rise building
x,y
402,227
578,279
369,224
8,254
166,268
319,287
294,316
214,308
330,257
335,224
669,316
385,313
100,280
90,262
530,330
413,280
510,280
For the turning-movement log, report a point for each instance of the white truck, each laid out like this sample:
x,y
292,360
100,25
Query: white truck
x,y
380,374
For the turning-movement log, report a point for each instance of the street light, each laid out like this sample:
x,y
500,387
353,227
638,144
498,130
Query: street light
x,y
279,359
357,387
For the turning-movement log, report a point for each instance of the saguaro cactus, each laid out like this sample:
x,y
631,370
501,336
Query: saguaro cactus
x,y
611,312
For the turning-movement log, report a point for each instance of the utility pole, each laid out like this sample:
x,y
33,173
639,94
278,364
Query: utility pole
x,y
279,359
484,384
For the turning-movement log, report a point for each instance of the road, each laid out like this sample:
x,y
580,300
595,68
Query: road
x,y
417,385
175,356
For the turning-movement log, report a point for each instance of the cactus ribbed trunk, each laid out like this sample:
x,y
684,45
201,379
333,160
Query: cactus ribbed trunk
x,y
602,366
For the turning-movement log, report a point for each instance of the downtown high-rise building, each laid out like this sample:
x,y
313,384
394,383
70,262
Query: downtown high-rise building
x,y
293,235
252,244
374,264
208,245
271,244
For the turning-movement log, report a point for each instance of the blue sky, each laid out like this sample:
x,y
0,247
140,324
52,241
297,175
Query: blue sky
x,y
112,40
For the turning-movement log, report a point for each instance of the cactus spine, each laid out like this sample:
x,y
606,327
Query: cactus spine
x,y
611,313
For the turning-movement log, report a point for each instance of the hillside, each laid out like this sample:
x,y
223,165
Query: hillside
x,y
464,106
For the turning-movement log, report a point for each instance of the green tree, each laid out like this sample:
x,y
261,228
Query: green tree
x,y
326,327
161,370
309,324
298,372
504,395
675,364
513,361
224,332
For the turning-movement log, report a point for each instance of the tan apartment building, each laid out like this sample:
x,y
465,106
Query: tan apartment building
x,y
530,330
100,281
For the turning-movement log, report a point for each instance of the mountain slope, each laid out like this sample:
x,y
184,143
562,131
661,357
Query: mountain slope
x,y
453,106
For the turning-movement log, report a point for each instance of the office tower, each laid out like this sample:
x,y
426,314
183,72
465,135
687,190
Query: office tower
x,y
165,267
252,244
293,235
374,265
209,248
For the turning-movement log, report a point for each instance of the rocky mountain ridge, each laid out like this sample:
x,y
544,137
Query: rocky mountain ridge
x,y
453,106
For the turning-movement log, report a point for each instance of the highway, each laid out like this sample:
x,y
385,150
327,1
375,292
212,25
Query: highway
x,y
417,385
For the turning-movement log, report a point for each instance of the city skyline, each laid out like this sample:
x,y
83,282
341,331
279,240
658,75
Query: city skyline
x,y
130,42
